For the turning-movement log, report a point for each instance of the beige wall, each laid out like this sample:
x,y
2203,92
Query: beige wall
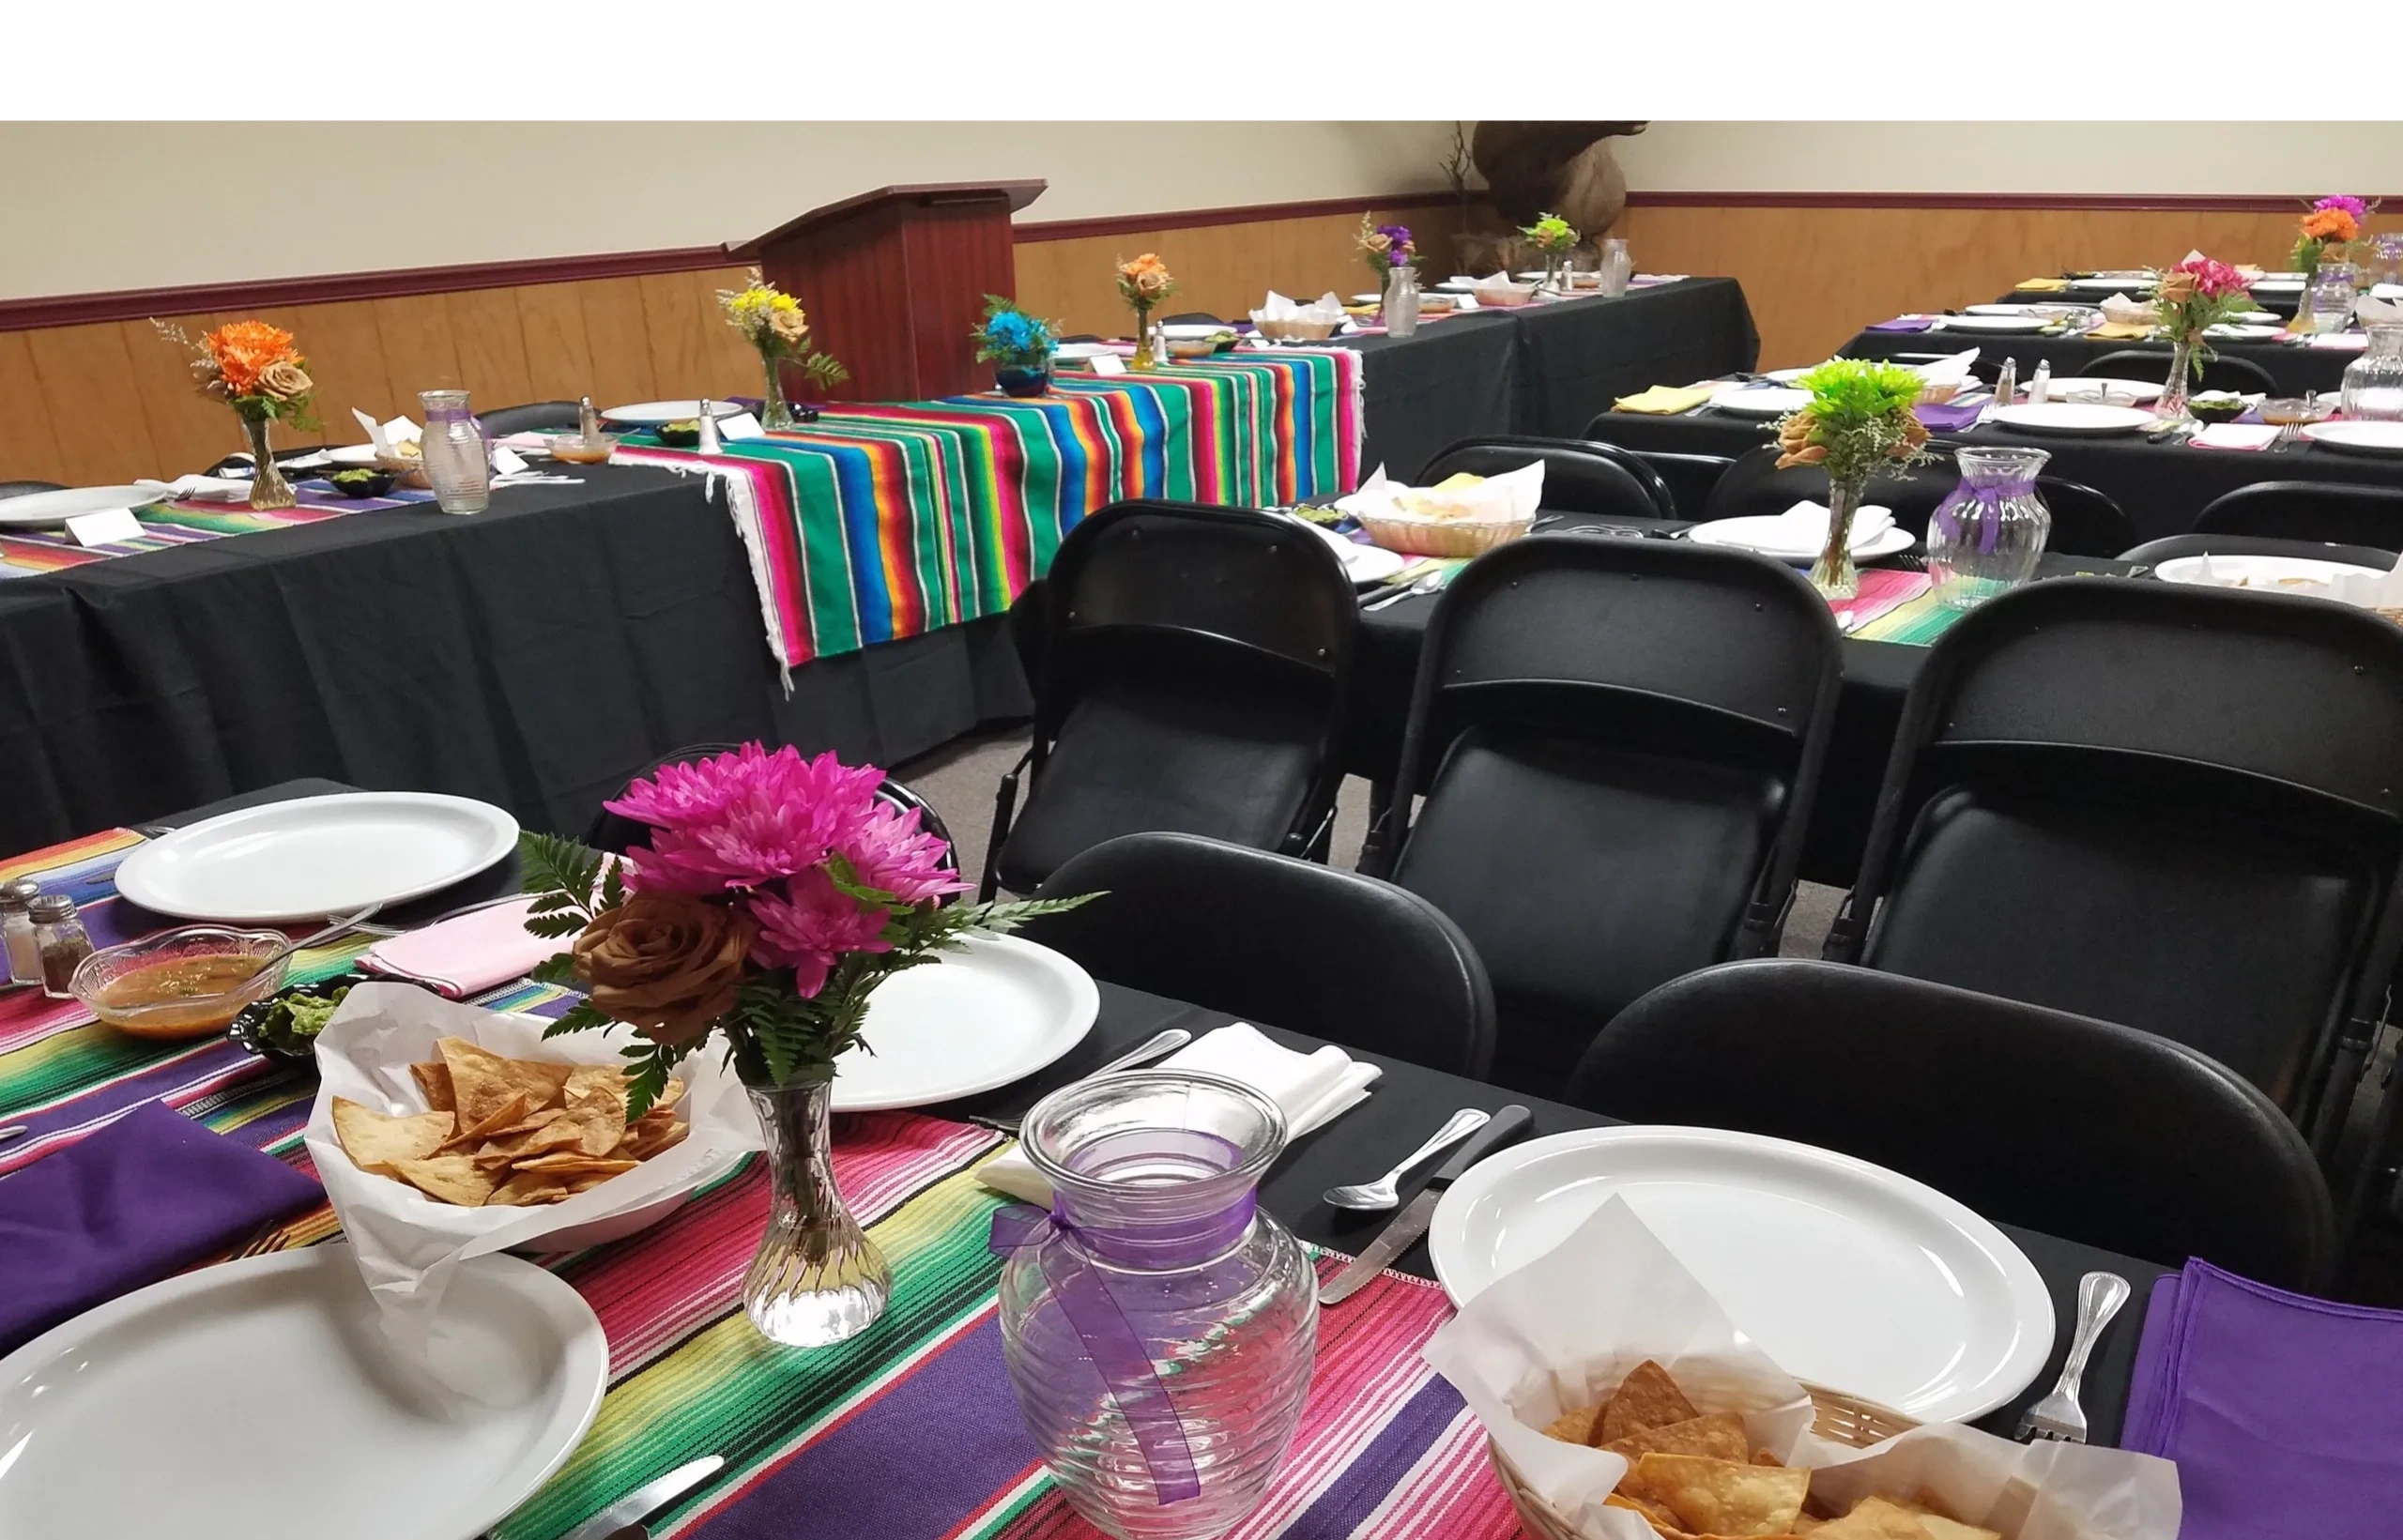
x,y
2366,159
94,207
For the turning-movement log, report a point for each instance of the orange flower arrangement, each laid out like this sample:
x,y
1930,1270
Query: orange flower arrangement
x,y
252,367
2331,224
1145,281
243,350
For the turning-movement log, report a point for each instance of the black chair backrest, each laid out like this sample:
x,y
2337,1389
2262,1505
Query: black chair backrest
x,y
2220,373
616,833
1689,478
1620,742
1276,940
1191,318
1193,668
529,418
2089,1131
2153,553
26,489
2165,805
1579,475
2086,523
1753,485
2340,512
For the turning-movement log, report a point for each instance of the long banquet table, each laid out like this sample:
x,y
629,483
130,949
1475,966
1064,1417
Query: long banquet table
x,y
809,1456
2294,368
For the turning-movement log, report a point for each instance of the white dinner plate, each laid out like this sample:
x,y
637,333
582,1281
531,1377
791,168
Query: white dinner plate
x,y
1361,563
2073,417
2019,321
254,1400
650,414
1849,1275
2003,310
1079,352
2361,438
1755,401
2278,285
2253,317
2111,391
2129,286
1787,377
2271,575
316,855
1191,331
35,508
1760,532
2243,334
982,1017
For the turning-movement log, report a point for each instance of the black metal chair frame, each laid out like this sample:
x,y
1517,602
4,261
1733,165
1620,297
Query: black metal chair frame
x,y
2250,375
2228,512
2153,553
1664,503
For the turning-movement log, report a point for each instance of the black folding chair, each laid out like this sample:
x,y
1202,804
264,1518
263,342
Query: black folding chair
x,y
1618,742
2153,553
1285,942
1191,318
1689,478
2164,805
2083,1128
2086,523
1755,485
2341,512
528,419
1579,476
1193,671
2219,373
616,833
26,489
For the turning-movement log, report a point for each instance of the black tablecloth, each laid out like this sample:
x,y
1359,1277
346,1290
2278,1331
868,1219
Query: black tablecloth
x,y
1543,369
2294,369
1409,1102
2276,303
2163,488
533,655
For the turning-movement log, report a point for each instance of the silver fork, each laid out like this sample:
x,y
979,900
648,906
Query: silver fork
x,y
1428,584
2058,1416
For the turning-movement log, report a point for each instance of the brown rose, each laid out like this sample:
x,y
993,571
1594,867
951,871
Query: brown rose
x,y
2178,288
664,964
285,381
789,327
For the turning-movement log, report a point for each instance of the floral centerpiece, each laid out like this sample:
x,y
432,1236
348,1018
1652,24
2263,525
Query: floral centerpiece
x,y
1555,237
775,893
257,370
1017,345
1386,246
2196,295
2331,224
1858,422
1144,283
773,321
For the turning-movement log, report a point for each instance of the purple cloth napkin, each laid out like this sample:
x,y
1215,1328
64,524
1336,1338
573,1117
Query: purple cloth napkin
x,y
148,1194
1943,417
1901,322
2284,1412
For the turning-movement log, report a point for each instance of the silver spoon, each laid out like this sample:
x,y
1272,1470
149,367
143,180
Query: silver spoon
x,y
1385,1193
332,929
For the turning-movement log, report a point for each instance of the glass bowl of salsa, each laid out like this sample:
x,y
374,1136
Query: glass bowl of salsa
x,y
179,984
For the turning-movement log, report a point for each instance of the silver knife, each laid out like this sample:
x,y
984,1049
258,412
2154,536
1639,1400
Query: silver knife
x,y
1412,1222
646,1498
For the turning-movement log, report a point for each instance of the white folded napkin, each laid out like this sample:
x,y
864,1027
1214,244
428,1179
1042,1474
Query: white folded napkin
x,y
2377,307
2234,436
1952,371
1326,307
2125,312
2340,342
198,488
1806,525
1312,1089
1514,495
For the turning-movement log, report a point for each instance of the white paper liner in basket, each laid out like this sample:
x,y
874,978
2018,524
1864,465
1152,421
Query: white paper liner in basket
x,y
1463,521
1560,1333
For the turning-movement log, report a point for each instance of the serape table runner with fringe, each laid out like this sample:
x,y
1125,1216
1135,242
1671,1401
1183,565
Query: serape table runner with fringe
x,y
908,1432
24,552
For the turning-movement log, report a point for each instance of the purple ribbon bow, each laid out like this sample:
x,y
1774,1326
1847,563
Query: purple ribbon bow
x,y
1981,502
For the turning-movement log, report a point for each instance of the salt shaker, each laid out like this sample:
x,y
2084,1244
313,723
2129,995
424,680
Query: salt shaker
x,y
588,421
59,932
2006,383
2040,386
17,927
709,442
1159,348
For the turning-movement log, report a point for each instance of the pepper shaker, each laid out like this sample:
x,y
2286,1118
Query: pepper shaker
x,y
59,932
709,442
17,930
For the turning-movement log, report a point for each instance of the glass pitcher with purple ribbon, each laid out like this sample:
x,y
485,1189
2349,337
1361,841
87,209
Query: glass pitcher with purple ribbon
x,y
1159,1326
1987,533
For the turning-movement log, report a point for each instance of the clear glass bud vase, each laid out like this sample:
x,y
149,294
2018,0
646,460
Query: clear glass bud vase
x,y
1833,574
1146,330
1400,302
2172,403
816,1277
775,412
268,489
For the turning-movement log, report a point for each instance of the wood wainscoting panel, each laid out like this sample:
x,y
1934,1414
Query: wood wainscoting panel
x,y
29,447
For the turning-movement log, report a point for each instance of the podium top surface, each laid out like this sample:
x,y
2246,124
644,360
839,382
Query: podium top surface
x,y
1019,193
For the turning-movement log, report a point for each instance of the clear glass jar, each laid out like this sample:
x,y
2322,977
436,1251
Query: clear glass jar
x,y
1986,536
2373,388
817,1278
58,931
2388,249
1160,1328
1402,302
458,466
2330,300
17,930
1616,266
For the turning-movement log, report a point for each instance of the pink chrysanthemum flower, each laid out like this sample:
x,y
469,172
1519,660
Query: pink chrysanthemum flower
x,y
811,925
889,852
744,818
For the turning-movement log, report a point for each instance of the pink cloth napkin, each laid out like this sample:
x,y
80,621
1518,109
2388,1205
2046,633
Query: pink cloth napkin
x,y
2234,436
466,956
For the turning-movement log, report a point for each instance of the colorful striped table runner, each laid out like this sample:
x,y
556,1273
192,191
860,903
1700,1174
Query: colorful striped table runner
x,y
882,522
24,552
907,1433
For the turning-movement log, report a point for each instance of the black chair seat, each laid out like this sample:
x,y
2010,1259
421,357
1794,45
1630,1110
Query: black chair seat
x,y
1689,478
2086,523
2220,936
536,415
2085,1130
2153,553
1277,940
2341,512
1755,485
26,489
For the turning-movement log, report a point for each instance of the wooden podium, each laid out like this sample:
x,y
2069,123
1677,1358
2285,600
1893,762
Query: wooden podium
x,y
894,282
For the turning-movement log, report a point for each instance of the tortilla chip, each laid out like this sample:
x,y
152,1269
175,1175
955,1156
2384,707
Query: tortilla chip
x,y
377,1141
1573,1427
1661,1519
600,1126
434,1083
1762,1457
541,1081
1874,1519
1805,1524
1718,1497
646,1137
586,1081
1718,1434
570,1160
1647,1397
501,1117
482,1082
452,1179
670,1094
1941,1527
528,1188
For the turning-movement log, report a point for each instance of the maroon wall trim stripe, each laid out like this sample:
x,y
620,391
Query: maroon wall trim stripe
x,y
2142,202
1190,218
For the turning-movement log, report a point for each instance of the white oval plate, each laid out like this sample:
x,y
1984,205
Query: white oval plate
x,y
1849,1275
352,454
155,1414
1079,352
976,1021
2063,416
316,856
2001,309
2245,333
1191,331
2278,285
40,508
2021,320
1755,401
1361,563
2253,317
650,414
2361,438
1787,377
1758,533
2115,390
2262,574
